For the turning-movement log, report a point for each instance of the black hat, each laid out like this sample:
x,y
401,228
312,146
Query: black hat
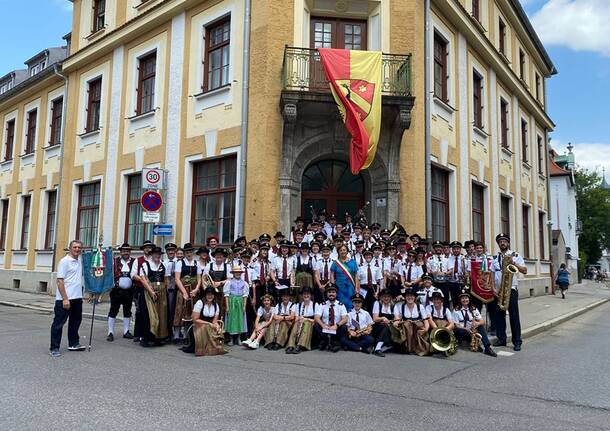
x,y
322,212
322,234
170,245
331,286
367,251
359,243
410,291
188,247
292,244
385,232
157,250
468,243
304,244
400,241
464,292
415,235
356,297
437,244
390,245
284,243
314,223
264,247
384,292
377,246
146,243
358,225
502,236
375,226
421,250
220,250
437,294
314,242
337,238
347,215
366,227
278,234
411,252
456,244
264,237
325,246
240,238
346,231
426,277
209,289
299,219
301,231
125,246
201,250
332,217
306,289
246,253
254,242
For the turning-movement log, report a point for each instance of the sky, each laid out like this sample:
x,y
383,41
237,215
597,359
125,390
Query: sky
x,y
574,32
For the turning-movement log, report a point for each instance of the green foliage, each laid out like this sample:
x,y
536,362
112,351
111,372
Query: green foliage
x,y
593,206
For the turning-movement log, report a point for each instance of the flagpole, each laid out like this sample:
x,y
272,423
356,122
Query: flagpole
x,y
428,169
92,320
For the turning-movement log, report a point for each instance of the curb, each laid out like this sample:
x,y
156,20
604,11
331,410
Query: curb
x,y
100,317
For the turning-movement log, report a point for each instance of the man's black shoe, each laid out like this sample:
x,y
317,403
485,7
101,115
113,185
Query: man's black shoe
x,y
128,335
290,350
489,352
335,348
297,350
499,343
323,346
379,353
517,348
110,337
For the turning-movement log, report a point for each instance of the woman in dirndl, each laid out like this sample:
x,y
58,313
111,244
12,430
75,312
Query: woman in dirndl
x,y
344,273
410,327
206,335
186,282
236,292
304,269
277,335
154,300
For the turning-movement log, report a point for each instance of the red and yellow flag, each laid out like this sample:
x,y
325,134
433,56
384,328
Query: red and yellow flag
x,y
355,81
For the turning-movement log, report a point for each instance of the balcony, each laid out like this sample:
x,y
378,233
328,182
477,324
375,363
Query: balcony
x,y
305,89
302,71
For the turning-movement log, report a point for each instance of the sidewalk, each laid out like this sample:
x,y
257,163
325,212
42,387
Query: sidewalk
x,y
538,313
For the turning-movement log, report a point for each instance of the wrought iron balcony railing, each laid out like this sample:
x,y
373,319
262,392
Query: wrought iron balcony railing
x,y
302,71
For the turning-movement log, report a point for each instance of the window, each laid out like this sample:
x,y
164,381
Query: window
x,y
541,153
502,36
25,221
49,237
478,213
505,214
88,213
327,32
93,105
524,143
4,208
537,87
541,225
218,44
10,140
526,231
30,137
56,118
521,64
440,67
213,211
99,15
146,83
477,99
136,231
476,11
440,204
504,124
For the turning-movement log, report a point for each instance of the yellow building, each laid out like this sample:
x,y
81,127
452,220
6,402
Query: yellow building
x,y
229,98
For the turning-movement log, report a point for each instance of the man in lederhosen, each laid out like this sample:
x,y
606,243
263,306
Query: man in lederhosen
x,y
146,247
170,267
122,292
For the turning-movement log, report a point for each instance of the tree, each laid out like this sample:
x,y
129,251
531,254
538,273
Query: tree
x,y
593,206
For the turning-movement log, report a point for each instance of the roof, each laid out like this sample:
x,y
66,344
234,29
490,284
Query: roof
x,y
54,54
604,184
18,75
555,235
556,170
532,33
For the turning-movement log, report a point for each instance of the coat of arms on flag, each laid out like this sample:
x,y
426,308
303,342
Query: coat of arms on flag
x,y
355,81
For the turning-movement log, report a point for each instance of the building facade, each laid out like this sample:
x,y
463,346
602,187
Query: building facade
x,y
234,105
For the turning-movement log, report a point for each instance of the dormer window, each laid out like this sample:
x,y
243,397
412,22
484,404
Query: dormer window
x,y
38,67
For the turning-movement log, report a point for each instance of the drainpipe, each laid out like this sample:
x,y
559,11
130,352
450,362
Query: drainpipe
x,y
428,173
243,147
549,228
56,69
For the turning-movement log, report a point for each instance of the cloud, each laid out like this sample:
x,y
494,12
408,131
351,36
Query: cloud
x,y
581,25
592,156
64,5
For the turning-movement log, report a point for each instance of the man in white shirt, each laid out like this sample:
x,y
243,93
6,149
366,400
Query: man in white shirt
x,y
359,326
68,300
322,274
122,293
370,280
170,277
331,321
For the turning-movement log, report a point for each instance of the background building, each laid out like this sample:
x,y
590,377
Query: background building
x,y
236,108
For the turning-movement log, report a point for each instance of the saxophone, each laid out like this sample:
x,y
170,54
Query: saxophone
x,y
508,272
475,340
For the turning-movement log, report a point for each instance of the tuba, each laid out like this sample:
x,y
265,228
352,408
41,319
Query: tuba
x,y
442,340
508,272
397,230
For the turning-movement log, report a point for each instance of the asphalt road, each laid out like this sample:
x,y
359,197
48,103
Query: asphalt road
x,y
559,381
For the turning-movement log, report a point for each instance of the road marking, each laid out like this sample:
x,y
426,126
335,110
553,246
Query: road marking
x,y
503,353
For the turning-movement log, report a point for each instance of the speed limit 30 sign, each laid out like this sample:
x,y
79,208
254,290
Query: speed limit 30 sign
x,y
152,178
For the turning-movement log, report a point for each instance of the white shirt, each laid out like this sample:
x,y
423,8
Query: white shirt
x,y
416,271
426,295
438,314
300,309
282,309
438,264
278,266
265,316
323,309
418,311
320,267
459,317
497,266
392,265
126,282
256,275
153,267
71,271
461,266
206,310
376,275
178,266
170,267
363,317
385,309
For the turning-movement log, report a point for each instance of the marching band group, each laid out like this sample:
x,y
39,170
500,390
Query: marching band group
x,y
330,286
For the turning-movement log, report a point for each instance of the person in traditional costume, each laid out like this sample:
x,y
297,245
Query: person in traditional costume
x,y
277,335
344,274
236,292
249,277
322,274
331,321
304,318
139,327
469,323
263,284
370,280
304,268
170,275
122,293
264,319
359,327
203,258
206,335
440,315
186,282
219,272
283,266
392,268
410,326
383,316
153,301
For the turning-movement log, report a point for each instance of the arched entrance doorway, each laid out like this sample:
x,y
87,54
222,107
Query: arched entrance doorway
x,y
329,184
